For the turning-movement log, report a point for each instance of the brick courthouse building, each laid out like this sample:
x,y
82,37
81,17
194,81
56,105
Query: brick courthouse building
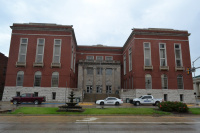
x,y
45,58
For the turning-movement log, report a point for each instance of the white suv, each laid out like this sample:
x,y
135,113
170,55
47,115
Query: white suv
x,y
110,101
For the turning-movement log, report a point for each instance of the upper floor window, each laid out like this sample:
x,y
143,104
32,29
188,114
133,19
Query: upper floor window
x,y
72,57
57,51
148,81
74,62
20,78
23,50
40,50
37,78
90,71
180,81
163,58
164,81
109,58
130,59
124,64
100,58
109,71
147,54
54,79
178,55
90,57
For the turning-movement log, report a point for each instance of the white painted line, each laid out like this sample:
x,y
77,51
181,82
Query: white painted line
x,y
89,119
140,122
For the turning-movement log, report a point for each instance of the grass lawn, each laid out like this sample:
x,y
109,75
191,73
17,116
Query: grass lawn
x,y
90,111
195,111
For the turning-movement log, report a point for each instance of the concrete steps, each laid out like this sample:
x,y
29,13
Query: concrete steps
x,y
94,97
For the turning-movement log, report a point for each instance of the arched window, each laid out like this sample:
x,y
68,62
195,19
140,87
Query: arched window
x,y
20,78
164,81
180,81
37,78
54,79
148,81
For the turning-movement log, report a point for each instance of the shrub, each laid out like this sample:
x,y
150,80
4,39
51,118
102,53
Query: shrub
x,y
173,106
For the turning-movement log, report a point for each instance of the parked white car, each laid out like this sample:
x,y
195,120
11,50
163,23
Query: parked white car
x,y
110,101
146,99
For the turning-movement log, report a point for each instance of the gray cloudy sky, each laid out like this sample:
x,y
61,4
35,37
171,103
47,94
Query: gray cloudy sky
x,y
107,22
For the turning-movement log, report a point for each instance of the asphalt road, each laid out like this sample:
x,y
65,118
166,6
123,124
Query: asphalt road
x,y
99,124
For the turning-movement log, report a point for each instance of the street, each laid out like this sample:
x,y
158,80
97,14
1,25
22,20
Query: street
x,y
99,124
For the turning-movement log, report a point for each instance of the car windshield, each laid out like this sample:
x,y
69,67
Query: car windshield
x,y
140,97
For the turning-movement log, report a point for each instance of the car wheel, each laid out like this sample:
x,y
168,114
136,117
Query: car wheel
x,y
101,103
15,102
137,103
157,103
117,103
36,102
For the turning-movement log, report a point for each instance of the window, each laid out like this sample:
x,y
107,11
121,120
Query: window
x,y
23,95
53,95
90,71
74,62
99,71
109,58
165,97
181,97
129,83
72,56
130,59
180,81
99,89
89,89
20,78
89,57
99,58
164,81
108,89
55,79
163,58
36,94
23,50
109,71
40,50
148,81
57,51
132,82
17,94
178,55
147,54
4,71
125,64
37,79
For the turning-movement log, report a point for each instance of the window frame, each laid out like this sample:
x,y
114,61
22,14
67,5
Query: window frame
x,y
162,81
59,50
36,56
149,52
130,59
165,49
35,79
90,68
20,49
124,60
52,79
106,58
180,54
87,57
109,71
22,78
101,58
147,79
182,82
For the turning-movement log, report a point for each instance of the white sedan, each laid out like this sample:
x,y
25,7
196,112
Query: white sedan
x,y
110,101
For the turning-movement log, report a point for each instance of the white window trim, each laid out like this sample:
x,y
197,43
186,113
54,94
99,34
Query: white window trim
x,y
74,62
144,52
180,53
182,82
108,56
20,48
54,49
151,82
17,77
72,56
130,59
37,50
51,80
165,53
99,56
90,56
167,82
124,62
40,79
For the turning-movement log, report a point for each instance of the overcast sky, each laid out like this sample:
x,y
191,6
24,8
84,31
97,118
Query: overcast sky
x,y
107,22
